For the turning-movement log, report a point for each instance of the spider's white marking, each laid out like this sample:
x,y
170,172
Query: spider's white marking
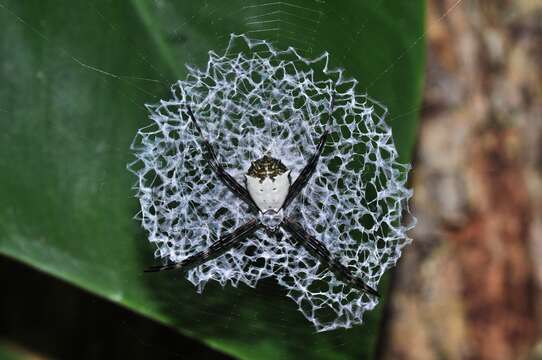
x,y
270,193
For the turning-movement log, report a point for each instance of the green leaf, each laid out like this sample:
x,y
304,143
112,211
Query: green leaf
x,y
12,352
75,76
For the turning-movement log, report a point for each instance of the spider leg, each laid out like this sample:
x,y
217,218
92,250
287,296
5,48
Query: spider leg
x,y
307,172
319,250
217,249
212,159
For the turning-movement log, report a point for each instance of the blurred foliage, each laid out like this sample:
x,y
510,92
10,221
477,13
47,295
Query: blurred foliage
x,y
70,323
75,76
9,352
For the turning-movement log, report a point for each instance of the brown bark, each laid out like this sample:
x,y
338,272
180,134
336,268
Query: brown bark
x,y
469,286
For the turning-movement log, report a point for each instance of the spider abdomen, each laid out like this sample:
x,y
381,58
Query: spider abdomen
x,y
268,182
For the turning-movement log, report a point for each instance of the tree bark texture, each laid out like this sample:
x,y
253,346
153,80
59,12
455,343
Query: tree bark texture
x,y
469,285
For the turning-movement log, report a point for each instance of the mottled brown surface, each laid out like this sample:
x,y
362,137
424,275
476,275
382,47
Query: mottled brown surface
x,y
469,287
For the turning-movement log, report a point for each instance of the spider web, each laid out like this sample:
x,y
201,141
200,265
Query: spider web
x,y
253,100
291,26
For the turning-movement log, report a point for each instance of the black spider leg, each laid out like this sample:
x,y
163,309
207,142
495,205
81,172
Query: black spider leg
x,y
319,250
239,190
307,172
217,249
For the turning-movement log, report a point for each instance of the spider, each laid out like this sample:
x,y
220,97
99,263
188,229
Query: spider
x,y
268,192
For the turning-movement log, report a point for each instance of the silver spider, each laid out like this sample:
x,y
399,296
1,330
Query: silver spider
x,y
268,192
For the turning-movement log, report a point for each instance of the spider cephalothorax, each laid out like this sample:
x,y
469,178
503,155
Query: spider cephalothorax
x,y
268,192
